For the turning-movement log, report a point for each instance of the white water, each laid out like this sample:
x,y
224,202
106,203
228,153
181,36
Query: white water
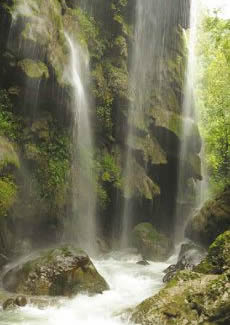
x,y
183,212
129,285
146,47
84,199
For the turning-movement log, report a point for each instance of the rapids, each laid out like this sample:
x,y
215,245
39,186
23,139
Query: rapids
x,y
129,285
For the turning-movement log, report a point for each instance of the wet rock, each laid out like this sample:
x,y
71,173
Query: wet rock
x,y
218,258
192,297
143,262
57,272
190,255
9,304
21,301
212,220
171,268
151,244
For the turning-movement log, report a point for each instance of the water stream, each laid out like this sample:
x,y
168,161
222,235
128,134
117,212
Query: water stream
x,y
82,222
129,285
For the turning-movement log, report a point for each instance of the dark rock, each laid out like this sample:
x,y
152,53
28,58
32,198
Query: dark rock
x,y
57,272
212,220
218,259
190,255
143,262
9,304
169,276
171,268
21,301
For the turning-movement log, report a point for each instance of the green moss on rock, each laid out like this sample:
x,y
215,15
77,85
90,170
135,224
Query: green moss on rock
x,y
63,271
8,155
212,220
149,147
150,243
34,69
8,193
138,183
218,258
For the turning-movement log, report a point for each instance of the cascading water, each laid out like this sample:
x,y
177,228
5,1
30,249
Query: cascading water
x,y
190,193
154,42
83,222
141,73
129,285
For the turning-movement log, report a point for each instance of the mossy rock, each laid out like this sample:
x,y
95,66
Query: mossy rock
x,y
138,183
8,155
174,123
218,258
8,194
150,243
149,148
62,271
190,298
33,69
212,220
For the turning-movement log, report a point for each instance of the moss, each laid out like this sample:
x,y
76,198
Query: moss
x,y
63,271
150,243
149,147
8,155
34,69
218,258
212,220
8,192
138,183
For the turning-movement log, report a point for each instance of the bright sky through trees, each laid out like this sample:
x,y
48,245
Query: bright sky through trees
x,y
224,5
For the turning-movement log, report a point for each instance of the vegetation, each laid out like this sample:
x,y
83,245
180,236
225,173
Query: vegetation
x,y
214,97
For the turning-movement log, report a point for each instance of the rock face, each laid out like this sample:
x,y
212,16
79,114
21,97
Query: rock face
x,y
218,258
190,255
150,243
57,272
211,220
34,59
192,297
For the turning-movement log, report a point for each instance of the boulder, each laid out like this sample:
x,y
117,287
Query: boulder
x,y
218,259
9,304
212,220
61,271
200,296
150,243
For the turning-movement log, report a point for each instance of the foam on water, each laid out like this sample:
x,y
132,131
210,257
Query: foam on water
x,y
129,285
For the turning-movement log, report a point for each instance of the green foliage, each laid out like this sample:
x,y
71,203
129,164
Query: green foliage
x,y
88,33
52,158
9,123
214,97
108,175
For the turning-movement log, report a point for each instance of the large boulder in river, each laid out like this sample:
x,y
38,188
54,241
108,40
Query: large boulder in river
x,y
201,296
57,272
150,243
212,220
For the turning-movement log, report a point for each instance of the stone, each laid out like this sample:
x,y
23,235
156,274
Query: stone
x,y
218,259
21,301
143,262
61,271
212,220
150,243
9,304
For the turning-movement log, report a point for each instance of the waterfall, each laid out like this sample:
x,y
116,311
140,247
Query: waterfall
x,y
190,195
141,64
83,223
153,35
